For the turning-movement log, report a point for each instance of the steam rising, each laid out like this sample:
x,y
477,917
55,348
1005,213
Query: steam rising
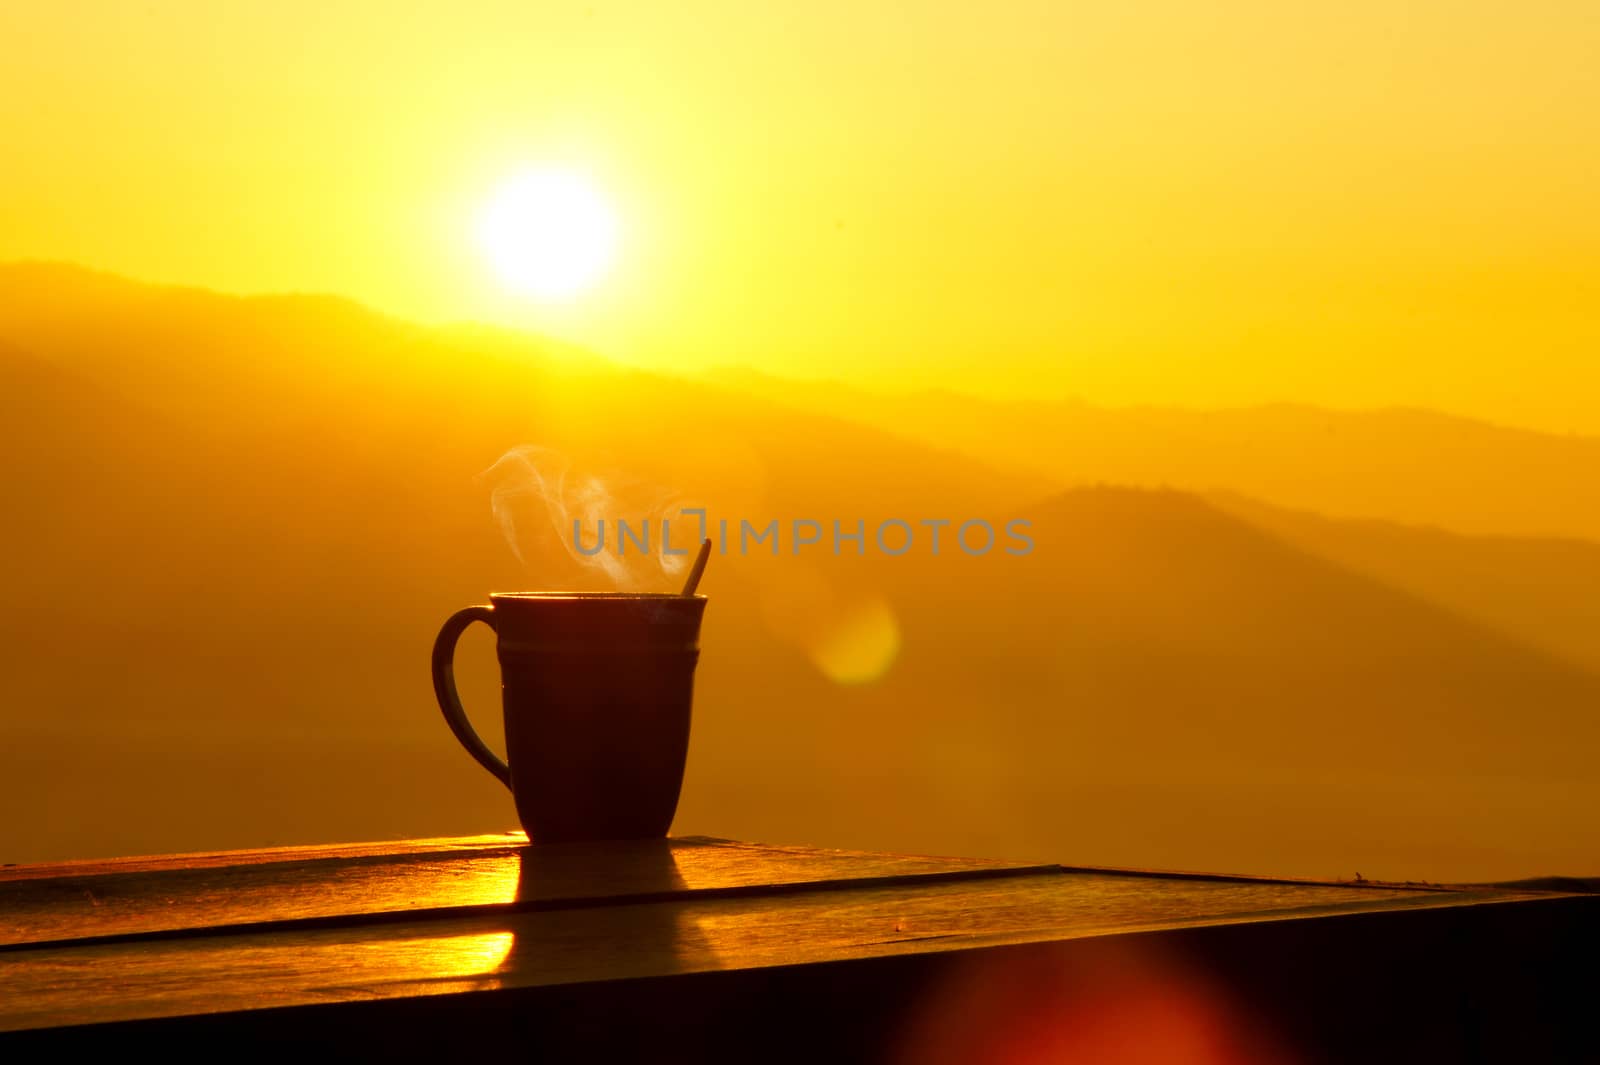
x,y
545,504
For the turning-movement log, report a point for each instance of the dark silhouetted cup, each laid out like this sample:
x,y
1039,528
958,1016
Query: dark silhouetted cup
x,y
597,688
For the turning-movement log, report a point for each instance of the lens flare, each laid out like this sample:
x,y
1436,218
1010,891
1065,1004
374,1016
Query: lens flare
x,y
860,644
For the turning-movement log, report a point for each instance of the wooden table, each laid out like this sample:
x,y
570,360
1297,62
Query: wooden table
x,y
696,949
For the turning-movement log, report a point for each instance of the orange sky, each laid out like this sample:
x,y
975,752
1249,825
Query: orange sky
x,y
1158,201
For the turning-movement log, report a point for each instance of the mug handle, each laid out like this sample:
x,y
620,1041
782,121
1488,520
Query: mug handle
x,y
444,688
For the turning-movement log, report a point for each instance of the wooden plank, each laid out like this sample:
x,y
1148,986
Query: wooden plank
x,y
147,896
180,977
255,856
1452,983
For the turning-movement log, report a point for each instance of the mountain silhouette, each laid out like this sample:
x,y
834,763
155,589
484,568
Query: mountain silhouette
x,y
238,522
1543,591
1408,465
1156,654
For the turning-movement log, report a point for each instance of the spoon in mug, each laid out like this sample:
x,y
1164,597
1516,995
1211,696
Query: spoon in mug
x,y
698,568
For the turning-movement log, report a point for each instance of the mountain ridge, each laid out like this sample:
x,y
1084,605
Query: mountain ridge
x,y
1414,465
237,550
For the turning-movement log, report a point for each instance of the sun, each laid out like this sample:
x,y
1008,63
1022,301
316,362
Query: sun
x,y
548,233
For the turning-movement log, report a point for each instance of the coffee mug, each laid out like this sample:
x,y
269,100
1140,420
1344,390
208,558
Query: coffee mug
x,y
596,688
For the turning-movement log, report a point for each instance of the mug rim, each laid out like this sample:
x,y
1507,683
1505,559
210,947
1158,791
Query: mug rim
x,y
557,596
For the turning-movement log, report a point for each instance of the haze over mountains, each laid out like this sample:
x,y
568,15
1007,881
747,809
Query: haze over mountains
x,y
1408,465
235,524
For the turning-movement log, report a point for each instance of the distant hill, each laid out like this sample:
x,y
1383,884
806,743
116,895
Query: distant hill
x,y
1542,591
1158,655
235,525
1413,466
